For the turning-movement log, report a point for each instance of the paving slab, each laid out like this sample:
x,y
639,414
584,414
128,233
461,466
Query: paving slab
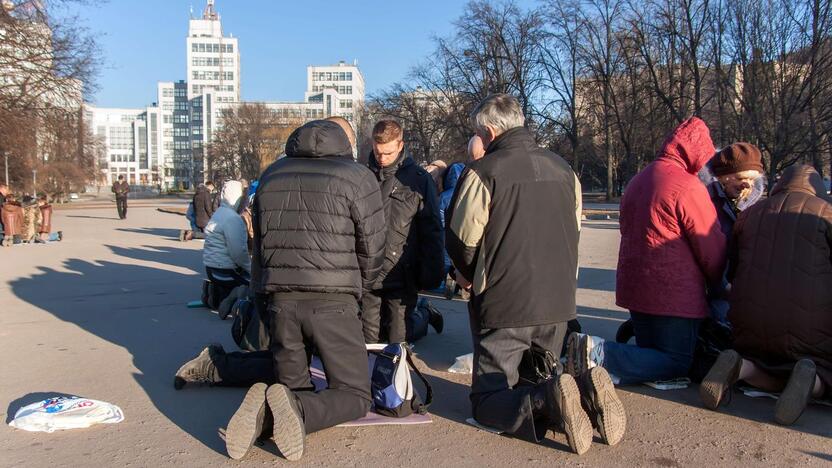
x,y
103,315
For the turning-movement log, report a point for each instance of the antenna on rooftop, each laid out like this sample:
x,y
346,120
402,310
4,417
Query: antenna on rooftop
x,y
210,12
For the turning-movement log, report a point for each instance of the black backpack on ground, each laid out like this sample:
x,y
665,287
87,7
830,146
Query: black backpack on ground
x,y
250,328
537,366
714,338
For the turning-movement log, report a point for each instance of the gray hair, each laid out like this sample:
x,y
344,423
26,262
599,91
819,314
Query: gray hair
x,y
502,112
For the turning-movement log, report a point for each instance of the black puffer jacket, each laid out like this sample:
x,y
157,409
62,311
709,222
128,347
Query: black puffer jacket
x,y
414,256
318,218
203,206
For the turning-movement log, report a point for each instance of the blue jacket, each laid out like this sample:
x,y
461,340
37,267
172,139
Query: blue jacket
x,y
452,175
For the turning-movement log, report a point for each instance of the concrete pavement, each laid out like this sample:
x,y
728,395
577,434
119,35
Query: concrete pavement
x,y
103,315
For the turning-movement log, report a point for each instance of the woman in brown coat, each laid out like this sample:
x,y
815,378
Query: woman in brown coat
x,y
12,221
781,302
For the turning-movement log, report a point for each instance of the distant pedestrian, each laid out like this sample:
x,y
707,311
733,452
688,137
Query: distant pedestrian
x,y
121,189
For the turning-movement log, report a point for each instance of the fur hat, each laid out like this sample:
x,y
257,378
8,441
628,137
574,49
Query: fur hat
x,y
737,157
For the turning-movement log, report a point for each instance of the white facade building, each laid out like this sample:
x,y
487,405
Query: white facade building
x,y
213,60
171,137
339,88
126,136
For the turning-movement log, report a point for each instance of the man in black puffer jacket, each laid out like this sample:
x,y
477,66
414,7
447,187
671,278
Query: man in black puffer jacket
x,y
414,255
319,234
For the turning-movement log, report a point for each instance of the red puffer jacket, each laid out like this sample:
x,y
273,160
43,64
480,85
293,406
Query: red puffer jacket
x,y
671,242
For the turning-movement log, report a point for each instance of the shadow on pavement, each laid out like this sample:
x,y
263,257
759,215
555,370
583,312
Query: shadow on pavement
x,y
822,456
142,309
28,399
92,217
165,255
155,232
598,279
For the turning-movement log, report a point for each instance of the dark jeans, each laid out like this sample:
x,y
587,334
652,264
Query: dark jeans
x,y
226,276
496,400
383,314
664,349
121,206
245,368
303,321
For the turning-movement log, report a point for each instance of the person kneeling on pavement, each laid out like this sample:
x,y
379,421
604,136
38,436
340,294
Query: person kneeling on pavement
x,y
225,255
735,181
199,213
319,230
512,235
672,250
781,299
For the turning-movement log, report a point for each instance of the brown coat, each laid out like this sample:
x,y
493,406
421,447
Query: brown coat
x,y
45,219
781,300
12,219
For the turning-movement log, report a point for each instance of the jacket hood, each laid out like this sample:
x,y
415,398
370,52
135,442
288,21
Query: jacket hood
x,y
318,139
232,193
689,145
801,178
452,175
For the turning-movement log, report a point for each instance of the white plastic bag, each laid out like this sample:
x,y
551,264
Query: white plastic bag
x,y
463,364
65,412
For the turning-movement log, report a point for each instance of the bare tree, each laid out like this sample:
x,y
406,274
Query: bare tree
x,y
251,138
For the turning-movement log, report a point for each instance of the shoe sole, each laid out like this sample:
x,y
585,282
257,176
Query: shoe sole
x,y
247,423
289,432
610,416
718,380
576,423
795,396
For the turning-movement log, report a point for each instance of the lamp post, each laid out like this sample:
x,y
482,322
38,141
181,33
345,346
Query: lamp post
x,y
34,182
6,154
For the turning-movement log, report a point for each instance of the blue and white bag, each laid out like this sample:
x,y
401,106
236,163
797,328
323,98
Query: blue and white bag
x,y
394,394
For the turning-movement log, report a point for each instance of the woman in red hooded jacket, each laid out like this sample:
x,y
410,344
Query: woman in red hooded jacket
x,y
672,248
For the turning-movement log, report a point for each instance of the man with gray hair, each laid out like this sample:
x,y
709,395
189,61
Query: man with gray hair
x,y
512,234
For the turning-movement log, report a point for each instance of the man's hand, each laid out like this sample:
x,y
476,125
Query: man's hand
x,y
462,282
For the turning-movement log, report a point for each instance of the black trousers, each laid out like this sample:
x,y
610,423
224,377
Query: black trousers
x,y
121,206
245,368
384,313
300,323
496,400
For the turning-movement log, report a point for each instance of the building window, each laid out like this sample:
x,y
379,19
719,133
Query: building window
x,y
167,92
349,76
194,47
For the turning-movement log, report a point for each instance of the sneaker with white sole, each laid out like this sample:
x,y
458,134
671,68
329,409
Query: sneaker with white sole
x,y
603,406
247,423
583,352
289,432
563,393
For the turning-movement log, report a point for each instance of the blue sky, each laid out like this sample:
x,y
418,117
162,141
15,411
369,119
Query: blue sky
x,y
143,42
